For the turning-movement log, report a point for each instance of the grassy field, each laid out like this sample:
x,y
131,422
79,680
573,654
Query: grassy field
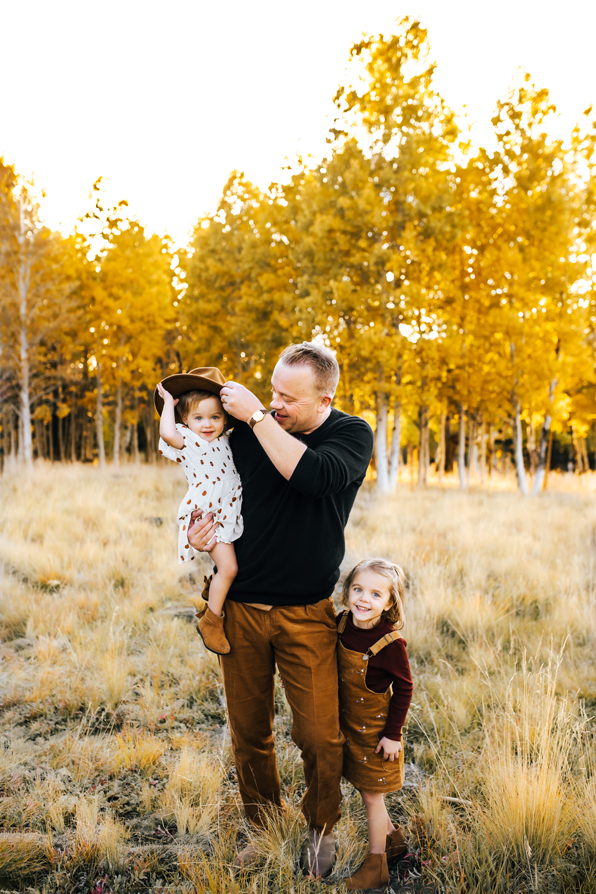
x,y
115,766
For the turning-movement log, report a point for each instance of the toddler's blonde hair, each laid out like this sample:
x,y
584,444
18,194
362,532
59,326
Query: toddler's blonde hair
x,y
394,613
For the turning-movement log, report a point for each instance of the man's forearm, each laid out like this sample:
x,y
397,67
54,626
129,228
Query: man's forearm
x,y
284,451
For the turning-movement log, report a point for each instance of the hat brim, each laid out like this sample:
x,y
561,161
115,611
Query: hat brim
x,y
182,382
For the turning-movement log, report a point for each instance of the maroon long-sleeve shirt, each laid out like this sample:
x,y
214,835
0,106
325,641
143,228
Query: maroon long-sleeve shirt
x,y
390,665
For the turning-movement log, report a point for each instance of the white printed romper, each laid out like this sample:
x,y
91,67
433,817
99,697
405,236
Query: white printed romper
x,y
213,486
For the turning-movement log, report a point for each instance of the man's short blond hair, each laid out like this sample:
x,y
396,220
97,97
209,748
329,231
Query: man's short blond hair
x,y
320,359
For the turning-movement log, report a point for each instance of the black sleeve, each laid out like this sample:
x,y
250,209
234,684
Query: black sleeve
x,y
337,462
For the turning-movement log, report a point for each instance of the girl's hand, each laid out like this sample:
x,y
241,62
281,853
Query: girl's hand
x,y
166,396
390,748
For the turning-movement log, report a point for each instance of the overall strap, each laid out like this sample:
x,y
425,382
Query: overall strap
x,y
380,644
342,623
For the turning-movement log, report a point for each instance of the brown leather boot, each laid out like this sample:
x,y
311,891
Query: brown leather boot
x,y
372,874
211,630
396,844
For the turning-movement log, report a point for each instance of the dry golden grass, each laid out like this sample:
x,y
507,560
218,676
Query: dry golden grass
x,y
115,761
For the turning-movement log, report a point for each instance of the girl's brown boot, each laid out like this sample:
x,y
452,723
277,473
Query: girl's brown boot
x,y
372,874
396,844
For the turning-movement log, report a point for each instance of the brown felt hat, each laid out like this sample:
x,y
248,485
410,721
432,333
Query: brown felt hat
x,y
204,378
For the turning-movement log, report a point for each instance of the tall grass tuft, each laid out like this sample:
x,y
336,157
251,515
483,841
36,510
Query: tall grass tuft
x,y
139,750
530,809
192,792
23,855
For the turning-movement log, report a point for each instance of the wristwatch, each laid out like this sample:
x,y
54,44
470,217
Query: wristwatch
x,y
256,417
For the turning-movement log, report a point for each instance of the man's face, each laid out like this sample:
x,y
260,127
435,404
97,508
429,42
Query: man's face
x,y
298,405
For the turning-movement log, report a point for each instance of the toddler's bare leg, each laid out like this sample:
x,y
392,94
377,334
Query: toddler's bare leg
x,y
211,625
224,556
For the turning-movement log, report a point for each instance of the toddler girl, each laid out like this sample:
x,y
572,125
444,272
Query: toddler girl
x,y
200,444
375,691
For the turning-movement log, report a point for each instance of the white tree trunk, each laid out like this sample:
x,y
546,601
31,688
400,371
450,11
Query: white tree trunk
x,y
423,448
73,429
99,422
531,444
395,446
545,435
135,432
470,443
118,425
26,448
427,446
20,456
492,455
579,460
483,452
538,480
519,452
461,453
441,451
11,459
472,449
381,445
24,277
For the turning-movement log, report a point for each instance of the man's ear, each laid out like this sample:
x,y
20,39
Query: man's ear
x,y
325,402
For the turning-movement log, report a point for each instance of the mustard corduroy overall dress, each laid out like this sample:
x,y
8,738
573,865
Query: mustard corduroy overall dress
x,y
362,717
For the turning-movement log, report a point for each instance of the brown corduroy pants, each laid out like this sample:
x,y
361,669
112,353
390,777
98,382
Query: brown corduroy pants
x,y
302,641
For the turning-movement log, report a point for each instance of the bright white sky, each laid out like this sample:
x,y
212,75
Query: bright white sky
x,y
166,98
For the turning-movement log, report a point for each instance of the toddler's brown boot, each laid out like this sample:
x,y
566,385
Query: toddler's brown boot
x,y
372,874
396,844
211,631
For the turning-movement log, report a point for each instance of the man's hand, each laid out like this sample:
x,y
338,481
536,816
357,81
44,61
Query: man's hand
x,y
284,451
390,748
239,401
202,530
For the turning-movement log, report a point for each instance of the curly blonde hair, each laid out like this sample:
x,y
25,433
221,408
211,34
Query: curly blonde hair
x,y
394,613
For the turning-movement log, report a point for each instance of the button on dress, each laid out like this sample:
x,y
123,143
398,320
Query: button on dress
x,y
213,486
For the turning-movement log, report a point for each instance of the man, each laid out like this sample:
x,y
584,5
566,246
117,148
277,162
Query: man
x,y
301,467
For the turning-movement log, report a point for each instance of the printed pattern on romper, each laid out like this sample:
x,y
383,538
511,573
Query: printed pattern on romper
x,y
213,486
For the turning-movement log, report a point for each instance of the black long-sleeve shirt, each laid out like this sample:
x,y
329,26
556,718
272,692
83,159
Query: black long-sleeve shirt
x,y
293,541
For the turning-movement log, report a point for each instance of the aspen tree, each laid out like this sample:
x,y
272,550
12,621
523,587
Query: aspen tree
x,y
34,292
372,213
239,279
538,310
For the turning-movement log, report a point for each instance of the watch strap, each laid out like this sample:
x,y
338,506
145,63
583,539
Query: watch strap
x,y
252,421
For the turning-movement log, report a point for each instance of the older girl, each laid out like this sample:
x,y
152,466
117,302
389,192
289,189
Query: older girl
x,y
375,691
